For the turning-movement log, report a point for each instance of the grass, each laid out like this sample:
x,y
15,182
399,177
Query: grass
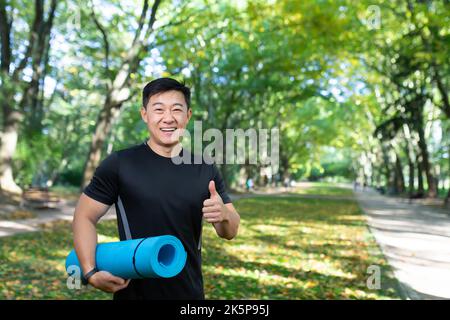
x,y
325,189
287,248
19,214
66,192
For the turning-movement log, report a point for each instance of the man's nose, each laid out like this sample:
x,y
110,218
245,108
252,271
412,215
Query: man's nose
x,y
168,117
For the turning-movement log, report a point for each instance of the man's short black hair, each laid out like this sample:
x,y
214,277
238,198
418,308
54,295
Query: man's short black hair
x,y
162,85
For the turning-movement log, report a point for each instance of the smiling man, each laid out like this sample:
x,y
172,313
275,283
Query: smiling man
x,y
155,196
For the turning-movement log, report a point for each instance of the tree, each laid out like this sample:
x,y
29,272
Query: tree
x,y
21,74
117,88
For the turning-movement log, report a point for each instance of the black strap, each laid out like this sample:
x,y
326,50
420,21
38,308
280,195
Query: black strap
x,y
128,236
134,258
123,216
86,277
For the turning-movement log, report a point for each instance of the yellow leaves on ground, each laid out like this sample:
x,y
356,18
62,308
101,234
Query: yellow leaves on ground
x,y
287,248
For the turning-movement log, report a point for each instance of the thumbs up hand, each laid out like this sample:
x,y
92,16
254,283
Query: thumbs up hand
x,y
214,209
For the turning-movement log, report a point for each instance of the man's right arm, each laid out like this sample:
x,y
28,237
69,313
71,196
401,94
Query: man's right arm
x,y
87,213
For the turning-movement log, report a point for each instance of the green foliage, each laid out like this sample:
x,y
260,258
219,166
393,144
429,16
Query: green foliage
x,y
317,70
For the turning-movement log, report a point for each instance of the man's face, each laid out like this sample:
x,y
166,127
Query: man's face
x,y
166,112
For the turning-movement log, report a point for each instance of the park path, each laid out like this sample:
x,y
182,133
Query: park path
x,y
64,211
415,240
66,208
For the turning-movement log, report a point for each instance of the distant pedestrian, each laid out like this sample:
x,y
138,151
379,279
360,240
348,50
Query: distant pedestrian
x,y
287,182
249,184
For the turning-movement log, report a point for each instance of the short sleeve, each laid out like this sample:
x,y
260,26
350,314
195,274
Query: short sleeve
x,y
220,185
104,185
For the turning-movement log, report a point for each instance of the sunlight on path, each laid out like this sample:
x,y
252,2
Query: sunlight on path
x,y
416,242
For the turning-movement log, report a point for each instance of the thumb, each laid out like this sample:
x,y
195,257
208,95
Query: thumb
x,y
212,188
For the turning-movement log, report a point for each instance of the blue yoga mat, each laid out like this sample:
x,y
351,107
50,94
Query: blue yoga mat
x,y
154,257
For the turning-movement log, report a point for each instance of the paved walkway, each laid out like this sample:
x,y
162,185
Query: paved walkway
x,y
415,240
64,212
66,208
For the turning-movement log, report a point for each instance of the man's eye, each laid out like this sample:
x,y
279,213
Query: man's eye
x,y
158,109
177,110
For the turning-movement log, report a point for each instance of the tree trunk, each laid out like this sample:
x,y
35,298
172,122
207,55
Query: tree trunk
x,y
447,198
11,120
38,44
399,177
109,113
411,177
118,91
432,192
387,169
420,188
375,177
409,151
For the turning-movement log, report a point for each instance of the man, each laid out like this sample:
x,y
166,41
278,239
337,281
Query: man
x,y
153,196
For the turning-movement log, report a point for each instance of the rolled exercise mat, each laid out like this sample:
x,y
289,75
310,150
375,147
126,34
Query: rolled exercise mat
x,y
154,257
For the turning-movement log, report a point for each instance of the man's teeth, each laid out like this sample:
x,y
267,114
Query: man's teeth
x,y
168,129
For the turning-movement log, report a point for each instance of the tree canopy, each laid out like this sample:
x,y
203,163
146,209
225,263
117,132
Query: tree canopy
x,y
358,90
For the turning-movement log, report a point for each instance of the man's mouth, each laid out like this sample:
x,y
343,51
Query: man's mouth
x,y
171,129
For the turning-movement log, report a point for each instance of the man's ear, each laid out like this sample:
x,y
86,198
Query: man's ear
x,y
144,114
189,114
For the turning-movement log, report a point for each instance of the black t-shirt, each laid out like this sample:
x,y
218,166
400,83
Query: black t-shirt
x,y
159,198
